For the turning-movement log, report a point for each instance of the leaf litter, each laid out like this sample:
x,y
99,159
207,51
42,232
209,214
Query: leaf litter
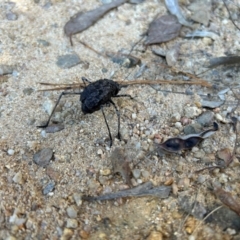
x,y
163,29
81,21
177,144
228,199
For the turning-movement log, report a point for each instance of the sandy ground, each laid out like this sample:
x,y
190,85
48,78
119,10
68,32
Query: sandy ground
x,y
81,165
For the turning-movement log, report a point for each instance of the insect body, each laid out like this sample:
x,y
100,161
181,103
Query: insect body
x,y
97,94
94,97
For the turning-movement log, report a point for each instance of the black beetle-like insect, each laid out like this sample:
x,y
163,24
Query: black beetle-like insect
x,y
94,97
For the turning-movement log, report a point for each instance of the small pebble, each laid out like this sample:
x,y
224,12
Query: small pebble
x,y
136,173
220,118
154,235
178,125
28,91
192,112
192,128
105,172
48,106
43,42
223,178
134,116
145,174
99,152
78,199
72,223
11,16
67,234
18,178
48,188
10,152
201,179
72,211
43,157
6,69
84,234
205,119
68,61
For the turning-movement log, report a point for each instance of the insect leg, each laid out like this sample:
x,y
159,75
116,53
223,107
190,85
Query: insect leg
x,y
124,95
60,96
85,80
110,136
118,115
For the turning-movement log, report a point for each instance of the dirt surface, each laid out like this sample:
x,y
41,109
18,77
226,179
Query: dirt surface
x,y
45,202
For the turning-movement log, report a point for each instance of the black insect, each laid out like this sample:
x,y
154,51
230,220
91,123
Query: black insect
x,y
95,96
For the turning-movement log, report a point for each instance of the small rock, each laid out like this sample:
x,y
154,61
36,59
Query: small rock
x,y
48,188
67,234
178,125
11,16
192,112
53,174
68,60
6,69
220,118
223,178
125,60
43,42
207,41
48,106
186,203
99,152
84,234
43,157
72,223
172,56
192,128
201,179
136,173
199,154
18,178
72,211
175,189
134,116
28,91
105,172
211,104
10,152
175,117
78,199
201,12
231,231
16,218
31,121
154,235
145,174
205,119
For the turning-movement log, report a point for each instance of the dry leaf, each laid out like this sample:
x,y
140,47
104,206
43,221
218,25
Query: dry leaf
x,y
163,29
228,199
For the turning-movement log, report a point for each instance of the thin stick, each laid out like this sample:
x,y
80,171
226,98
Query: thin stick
x,y
68,86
